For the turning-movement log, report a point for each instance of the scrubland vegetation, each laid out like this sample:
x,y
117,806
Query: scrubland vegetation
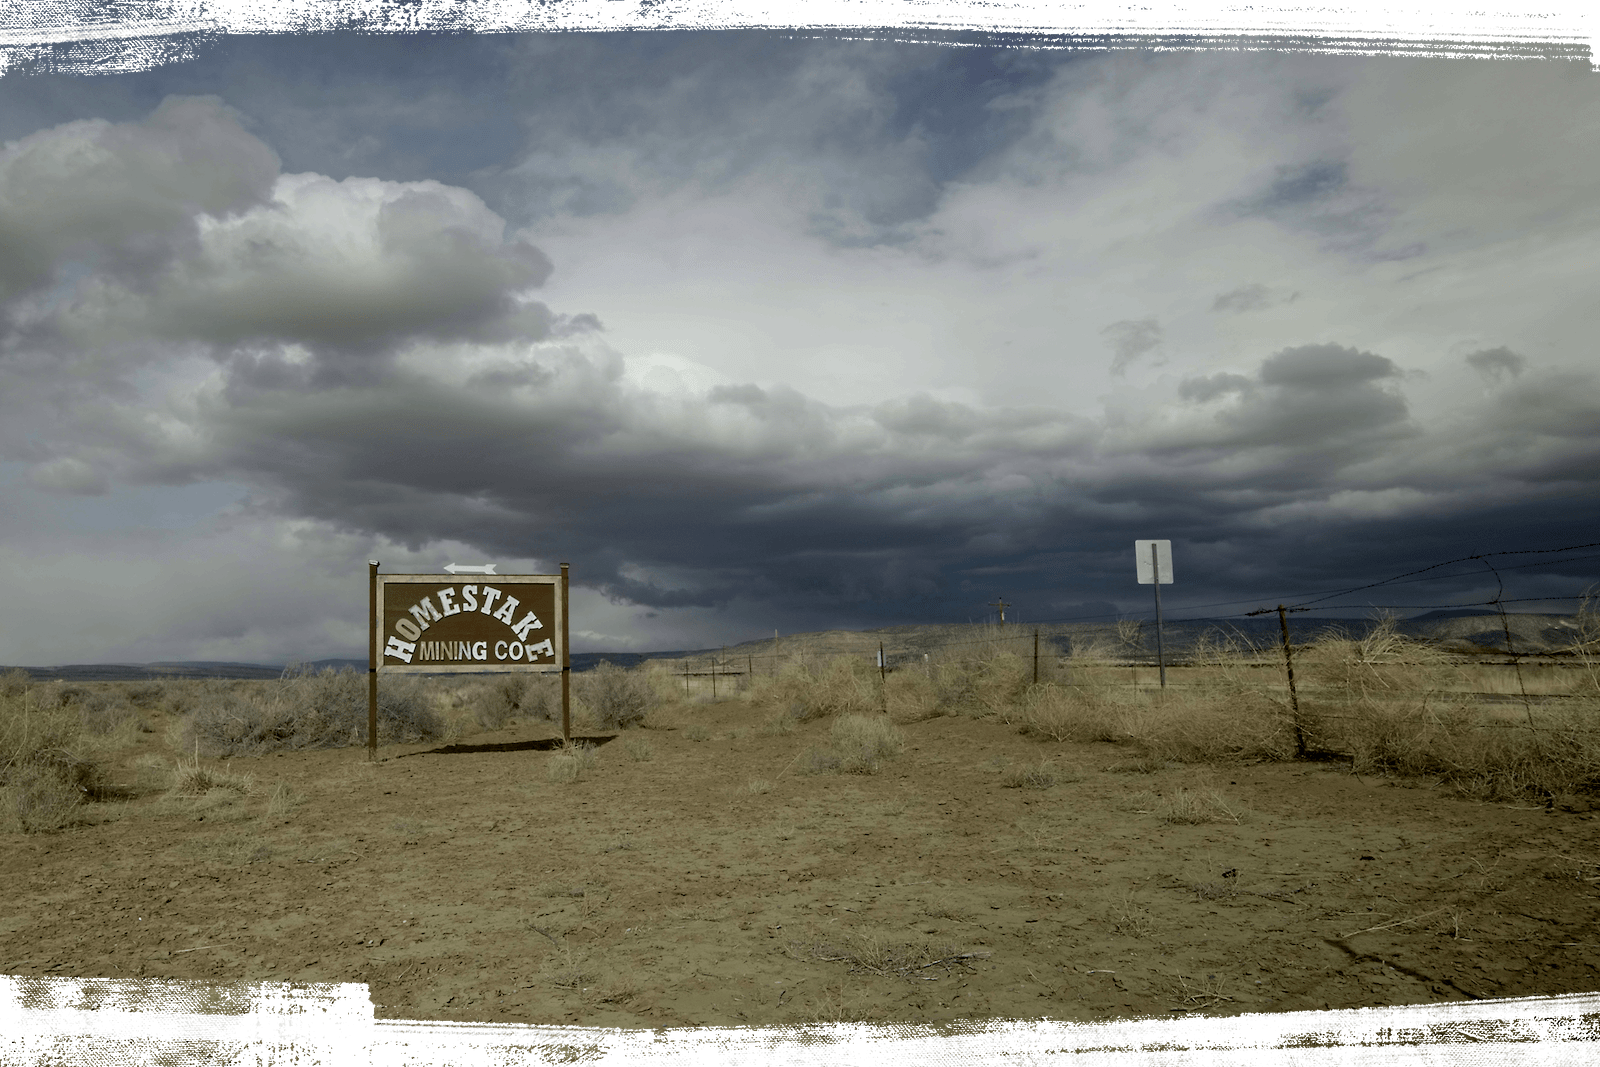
x,y
1384,704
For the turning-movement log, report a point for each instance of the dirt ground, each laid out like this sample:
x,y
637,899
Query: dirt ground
x,y
714,884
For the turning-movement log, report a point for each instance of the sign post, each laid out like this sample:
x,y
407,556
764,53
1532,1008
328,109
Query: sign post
x,y
566,666
372,659
1153,562
440,624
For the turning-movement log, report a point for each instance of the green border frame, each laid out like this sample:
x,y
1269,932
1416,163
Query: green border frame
x,y
133,1024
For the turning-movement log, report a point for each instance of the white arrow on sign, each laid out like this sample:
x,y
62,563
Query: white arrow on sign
x,y
462,568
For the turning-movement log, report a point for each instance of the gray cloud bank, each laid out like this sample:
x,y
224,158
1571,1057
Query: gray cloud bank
x,y
373,355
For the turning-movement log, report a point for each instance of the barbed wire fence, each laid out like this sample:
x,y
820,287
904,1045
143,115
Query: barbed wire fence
x,y
725,670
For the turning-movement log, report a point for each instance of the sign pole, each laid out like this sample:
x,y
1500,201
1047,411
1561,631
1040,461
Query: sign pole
x,y
1161,659
372,659
566,663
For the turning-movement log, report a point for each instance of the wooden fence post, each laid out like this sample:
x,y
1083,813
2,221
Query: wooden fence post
x,y
1294,699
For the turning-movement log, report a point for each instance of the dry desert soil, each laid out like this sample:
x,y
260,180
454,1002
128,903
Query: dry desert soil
x,y
714,883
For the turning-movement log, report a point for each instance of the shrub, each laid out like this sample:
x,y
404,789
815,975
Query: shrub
x,y
1194,806
806,691
38,798
570,762
1199,728
102,712
196,780
861,742
1069,713
820,761
983,676
144,694
47,765
14,683
617,698
911,695
513,696
309,709
1042,776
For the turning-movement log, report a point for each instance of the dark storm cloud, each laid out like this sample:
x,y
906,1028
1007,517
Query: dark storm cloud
x,y
368,353
764,494
1305,417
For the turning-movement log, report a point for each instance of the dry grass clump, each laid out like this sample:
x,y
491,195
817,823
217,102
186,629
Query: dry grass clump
x,y
985,675
196,780
308,709
639,749
857,744
1194,806
48,763
1390,706
1130,917
1382,665
1196,727
1557,757
570,762
1585,646
863,741
804,691
1071,713
613,698
511,697
820,761
1042,775
911,695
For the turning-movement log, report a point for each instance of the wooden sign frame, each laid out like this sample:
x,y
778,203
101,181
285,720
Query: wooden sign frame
x,y
483,627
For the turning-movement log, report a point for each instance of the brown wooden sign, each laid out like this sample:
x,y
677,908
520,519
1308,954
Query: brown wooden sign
x,y
436,623
446,623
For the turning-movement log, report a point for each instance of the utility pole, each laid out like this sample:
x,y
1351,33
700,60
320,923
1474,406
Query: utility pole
x,y
999,602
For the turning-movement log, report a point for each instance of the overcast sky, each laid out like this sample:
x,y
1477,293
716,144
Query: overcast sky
x,y
761,333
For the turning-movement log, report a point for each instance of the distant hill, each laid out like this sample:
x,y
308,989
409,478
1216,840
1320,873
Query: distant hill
x,y
1466,630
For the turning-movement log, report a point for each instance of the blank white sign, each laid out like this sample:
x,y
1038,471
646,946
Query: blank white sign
x,y
1147,567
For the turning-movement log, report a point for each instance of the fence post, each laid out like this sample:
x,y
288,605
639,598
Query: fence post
x,y
1505,626
1294,699
1036,656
